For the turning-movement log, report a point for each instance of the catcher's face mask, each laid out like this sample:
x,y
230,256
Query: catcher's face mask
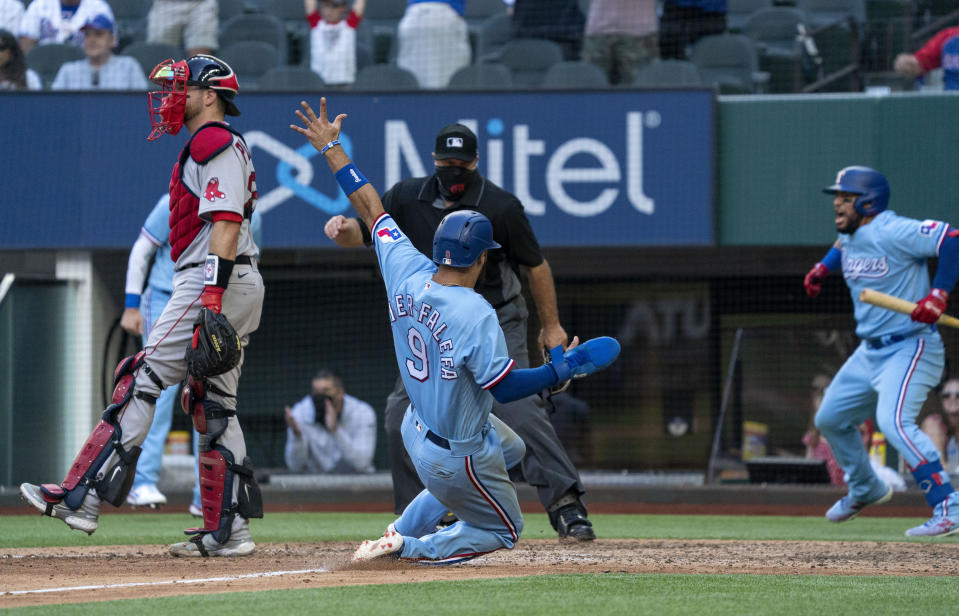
x,y
169,103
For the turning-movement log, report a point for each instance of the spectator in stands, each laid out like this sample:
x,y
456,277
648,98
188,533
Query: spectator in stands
x,y
816,446
942,51
621,37
333,39
58,21
11,11
14,74
330,431
189,24
433,41
557,20
684,22
943,428
101,69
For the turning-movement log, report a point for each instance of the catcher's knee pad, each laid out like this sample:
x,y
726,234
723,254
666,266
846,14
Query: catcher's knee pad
x,y
114,485
217,472
200,408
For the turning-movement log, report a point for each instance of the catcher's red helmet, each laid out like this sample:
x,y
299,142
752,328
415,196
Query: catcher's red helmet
x,y
168,104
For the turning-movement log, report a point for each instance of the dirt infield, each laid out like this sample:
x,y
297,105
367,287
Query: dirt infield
x,y
40,576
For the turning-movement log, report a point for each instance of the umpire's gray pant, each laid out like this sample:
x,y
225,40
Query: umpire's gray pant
x,y
545,466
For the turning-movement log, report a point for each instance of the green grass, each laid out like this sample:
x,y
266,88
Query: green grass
x,y
162,528
576,595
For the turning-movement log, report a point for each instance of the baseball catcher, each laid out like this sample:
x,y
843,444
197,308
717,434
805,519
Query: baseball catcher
x,y
216,303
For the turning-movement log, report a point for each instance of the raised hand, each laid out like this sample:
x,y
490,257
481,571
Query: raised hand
x,y
319,131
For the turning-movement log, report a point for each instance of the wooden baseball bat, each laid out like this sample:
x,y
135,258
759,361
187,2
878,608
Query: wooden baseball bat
x,y
897,304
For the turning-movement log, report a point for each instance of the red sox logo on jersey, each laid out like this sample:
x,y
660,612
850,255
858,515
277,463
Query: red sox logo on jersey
x,y
212,192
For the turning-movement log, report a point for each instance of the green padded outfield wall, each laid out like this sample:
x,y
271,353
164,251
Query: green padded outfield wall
x,y
775,153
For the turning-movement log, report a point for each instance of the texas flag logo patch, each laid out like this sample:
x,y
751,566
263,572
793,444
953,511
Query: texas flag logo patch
x,y
389,234
212,192
927,227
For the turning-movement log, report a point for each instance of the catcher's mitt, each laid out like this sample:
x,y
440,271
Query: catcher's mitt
x,y
215,348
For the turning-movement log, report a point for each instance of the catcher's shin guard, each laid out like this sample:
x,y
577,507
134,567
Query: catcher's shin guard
x,y
217,471
114,485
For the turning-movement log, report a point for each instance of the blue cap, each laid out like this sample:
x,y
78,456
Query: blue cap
x,y
99,22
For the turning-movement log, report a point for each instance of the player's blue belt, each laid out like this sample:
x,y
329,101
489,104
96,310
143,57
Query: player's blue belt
x,y
884,341
439,440
240,260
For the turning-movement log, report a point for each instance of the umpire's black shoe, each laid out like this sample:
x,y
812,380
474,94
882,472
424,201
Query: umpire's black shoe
x,y
573,525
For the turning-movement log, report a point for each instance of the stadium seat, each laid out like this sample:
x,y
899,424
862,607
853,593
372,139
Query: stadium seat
x,y
291,13
248,28
824,12
484,76
668,73
385,77
477,13
528,59
383,16
47,59
130,17
251,60
774,31
291,79
364,57
151,54
232,8
738,11
728,61
574,75
492,34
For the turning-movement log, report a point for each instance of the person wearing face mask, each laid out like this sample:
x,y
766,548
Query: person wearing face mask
x,y
330,431
418,205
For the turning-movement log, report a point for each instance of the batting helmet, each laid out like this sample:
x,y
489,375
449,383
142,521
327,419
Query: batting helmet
x,y
869,184
461,238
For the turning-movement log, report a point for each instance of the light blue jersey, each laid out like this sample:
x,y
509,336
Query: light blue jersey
x,y
889,254
157,230
450,351
890,373
449,345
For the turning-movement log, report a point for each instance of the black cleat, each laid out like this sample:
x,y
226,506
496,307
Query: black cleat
x,y
573,525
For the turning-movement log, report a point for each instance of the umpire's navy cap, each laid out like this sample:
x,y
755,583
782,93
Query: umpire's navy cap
x,y
455,141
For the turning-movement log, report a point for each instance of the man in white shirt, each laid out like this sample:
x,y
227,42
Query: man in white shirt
x,y
330,431
11,11
100,70
58,21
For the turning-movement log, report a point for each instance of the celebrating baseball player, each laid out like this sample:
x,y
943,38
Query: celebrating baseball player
x,y
901,356
418,205
453,360
216,303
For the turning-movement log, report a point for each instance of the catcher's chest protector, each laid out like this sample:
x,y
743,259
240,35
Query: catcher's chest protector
x,y
185,224
206,143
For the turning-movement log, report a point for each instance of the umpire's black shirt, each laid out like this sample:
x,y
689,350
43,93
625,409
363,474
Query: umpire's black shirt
x,y
417,207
